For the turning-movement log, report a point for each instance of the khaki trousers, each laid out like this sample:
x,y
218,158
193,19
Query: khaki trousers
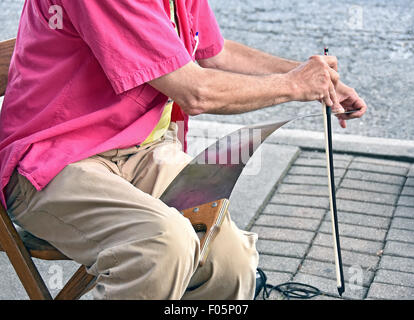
x,y
104,212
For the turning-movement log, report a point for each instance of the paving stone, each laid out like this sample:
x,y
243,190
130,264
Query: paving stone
x,y
375,177
365,207
350,230
310,201
401,249
366,196
397,263
402,223
400,235
361,219
382,162
294,211
307,171
303,189
322,155
278,263
351,244
348,257
328,270
395,277
410,182
370,186
309,180
283,234
313,171
312,162
313,154
406,201
408,191
407,212
389,292
288,222
282,248
411,171
382,168
329,286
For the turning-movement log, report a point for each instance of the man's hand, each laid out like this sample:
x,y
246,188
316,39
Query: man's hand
x,y
316,79
350,101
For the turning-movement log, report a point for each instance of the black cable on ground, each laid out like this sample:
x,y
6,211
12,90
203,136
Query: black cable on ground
x,y
288,290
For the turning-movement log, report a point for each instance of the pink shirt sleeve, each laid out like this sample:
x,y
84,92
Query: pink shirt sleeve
x,y
134,41
211,40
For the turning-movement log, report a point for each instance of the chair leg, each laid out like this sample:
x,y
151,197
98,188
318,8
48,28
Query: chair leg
x,y
80,283
21,260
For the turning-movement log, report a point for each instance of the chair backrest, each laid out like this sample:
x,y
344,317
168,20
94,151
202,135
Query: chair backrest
x,y
6,51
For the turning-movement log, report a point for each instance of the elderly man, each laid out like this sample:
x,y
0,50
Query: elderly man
x,y
90,137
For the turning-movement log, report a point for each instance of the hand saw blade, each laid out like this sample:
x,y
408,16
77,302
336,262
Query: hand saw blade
x,y
213,173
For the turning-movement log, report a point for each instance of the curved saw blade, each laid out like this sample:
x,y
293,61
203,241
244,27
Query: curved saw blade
x,y
213,173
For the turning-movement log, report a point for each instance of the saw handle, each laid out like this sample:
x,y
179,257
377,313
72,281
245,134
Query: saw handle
x,y
207,218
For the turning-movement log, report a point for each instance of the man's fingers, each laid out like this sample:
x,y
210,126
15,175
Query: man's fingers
x,y
336,106
327,99
332,62
334,76
361,107
358,106
342,123
355,104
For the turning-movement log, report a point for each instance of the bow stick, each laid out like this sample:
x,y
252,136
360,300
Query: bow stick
x,y
327,112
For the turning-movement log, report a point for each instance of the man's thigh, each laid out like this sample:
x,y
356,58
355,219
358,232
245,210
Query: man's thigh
x,y
87,208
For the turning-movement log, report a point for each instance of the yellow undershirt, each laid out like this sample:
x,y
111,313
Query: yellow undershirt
x,y
164,123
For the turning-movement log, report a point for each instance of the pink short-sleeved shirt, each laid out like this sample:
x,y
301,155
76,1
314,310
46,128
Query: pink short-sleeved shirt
x,y
81,89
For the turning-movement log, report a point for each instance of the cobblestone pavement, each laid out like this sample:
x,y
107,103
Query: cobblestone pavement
x,y
375,201
373,40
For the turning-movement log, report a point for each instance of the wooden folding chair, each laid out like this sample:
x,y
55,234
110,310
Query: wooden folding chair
x,y
21,246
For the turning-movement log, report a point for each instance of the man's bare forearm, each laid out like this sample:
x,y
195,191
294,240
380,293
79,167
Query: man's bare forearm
x,y
238,58
203,90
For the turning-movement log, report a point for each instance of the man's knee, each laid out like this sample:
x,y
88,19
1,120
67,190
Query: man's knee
x,y
179,239
240,248
230,268
158,265
241,265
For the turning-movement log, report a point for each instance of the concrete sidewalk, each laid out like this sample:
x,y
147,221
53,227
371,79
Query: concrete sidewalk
x,y
286,203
